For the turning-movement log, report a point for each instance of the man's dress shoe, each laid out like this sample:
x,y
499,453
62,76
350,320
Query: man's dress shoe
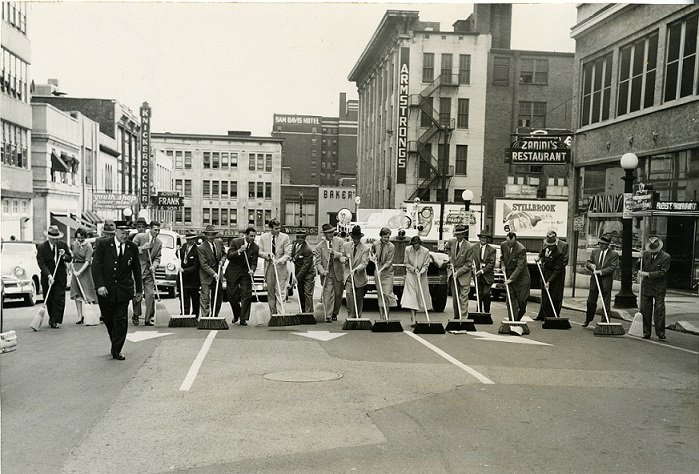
x,y
118,356
243,323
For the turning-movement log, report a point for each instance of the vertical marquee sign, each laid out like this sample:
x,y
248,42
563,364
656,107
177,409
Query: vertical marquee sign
x,y
144,187
403,99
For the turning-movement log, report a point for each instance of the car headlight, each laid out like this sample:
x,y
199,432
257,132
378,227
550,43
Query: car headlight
x,y
171,267
19,272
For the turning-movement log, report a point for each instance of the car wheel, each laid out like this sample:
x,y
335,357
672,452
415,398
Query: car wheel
x,y
30,299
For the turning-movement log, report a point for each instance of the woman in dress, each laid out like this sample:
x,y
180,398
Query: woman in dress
x,y
82,288
382,253
417,259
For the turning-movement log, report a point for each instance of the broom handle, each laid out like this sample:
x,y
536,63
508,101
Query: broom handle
x,y
456,290
419,285
53,277
252,280
599,290
179,275
276,277
475,283
509,298
383,299
218,283
640,286
80,286
541,272
152,272
354,289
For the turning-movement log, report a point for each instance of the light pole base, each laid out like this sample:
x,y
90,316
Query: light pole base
x,y
625,299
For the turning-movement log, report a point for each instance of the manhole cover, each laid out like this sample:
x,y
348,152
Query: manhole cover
x,y
302,376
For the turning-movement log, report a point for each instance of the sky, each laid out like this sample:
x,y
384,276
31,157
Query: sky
x,y
212,67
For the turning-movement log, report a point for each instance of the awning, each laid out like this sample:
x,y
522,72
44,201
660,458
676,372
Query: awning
x,y
66,221
58,164
85,222
92,217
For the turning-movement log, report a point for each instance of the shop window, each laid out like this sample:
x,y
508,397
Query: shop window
x,y
597,86
637,63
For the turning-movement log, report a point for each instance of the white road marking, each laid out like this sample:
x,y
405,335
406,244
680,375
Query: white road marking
x,y
194,369
500,338
139,336
321,335
664,344
481,378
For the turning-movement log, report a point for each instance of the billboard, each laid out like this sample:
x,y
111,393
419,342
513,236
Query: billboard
x,y
112,200
530,218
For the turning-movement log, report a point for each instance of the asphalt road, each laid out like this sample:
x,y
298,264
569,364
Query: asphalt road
x,y
563,401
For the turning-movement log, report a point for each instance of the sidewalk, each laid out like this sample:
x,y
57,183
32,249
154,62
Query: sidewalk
x,y
681,308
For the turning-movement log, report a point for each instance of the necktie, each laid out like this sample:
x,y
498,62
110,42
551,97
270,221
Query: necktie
x,y
354,253
483,253
601,258
274,245
381,253
330,256
458,248
121,250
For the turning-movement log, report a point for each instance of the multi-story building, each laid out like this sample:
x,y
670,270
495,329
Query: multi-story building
x,y
16,118
227,181
637,91
319,150
438,108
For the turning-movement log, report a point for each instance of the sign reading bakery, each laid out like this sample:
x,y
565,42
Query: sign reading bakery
x,y
530,218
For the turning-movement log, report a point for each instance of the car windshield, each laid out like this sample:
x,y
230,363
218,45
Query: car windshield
x,y
17,249
167,240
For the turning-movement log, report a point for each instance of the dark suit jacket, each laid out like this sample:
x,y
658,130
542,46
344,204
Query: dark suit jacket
x,y
515,263
655,284
117,275
236,263
551,260
302,256
487,265
189,260
611,262
208,263
47,263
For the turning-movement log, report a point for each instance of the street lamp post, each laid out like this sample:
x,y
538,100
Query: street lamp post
x,y
300,209
626,298
357,202
467,196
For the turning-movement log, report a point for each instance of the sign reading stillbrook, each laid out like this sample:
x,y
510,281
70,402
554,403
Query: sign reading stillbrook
x,y
539,149
144,186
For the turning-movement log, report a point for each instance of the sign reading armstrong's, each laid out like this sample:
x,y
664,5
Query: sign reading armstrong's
x,y
530,218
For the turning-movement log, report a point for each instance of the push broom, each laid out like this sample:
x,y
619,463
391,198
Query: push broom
x,y
90,314
282,319
384,325
480,317
426,327
182,320
214,322
636,328
556,322
458,324
304,318
161,312
607,329
356,323
39,318
258,313
511,326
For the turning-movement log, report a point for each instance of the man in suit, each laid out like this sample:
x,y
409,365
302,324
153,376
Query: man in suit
x,y
275,249
304,270
550,260
603,262
115,271
513,261
460,253
52,257
108,230
189,261
656,264
149,249
141,227
355,259
562,245
326,257
211,258
484,256
382,254
242,262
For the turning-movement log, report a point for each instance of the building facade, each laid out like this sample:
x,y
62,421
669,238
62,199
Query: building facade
x,y
227,181
16,123
637,91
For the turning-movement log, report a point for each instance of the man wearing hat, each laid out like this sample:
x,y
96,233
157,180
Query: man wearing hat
x,y
108,229
460,253
242,263
513,261
563,248
275,249
52,257
326,256
304,270
115,271
603,262
149,248
551,261
141,226
655,265
484,257
189,258
355,259
211,257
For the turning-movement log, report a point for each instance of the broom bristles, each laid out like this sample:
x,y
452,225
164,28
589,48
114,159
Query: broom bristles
x,y
183,321
428,327
307,318
519,328
283,320
352,324
383,325
556,323
38,319
481,318
461,325
212,323
609,329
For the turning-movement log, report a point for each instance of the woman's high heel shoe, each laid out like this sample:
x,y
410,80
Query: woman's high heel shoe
x,y
81,321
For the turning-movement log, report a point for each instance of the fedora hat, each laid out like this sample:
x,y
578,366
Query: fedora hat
x,y
654,245
141,221
53,233
327,228
190,235
551,240
210,230
301,232
108,227
459,229
356,232
485,234
605,240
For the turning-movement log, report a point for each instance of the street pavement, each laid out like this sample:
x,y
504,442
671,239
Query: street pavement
x,y
316,398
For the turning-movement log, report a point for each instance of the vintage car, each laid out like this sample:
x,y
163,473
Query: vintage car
x,y
21,275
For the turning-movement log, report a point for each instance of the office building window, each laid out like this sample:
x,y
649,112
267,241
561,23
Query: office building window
x,y
206,188
234,190
207,159
224,160
15,141
260,162
637,63
268,162
424,169
268,190
188,188
423,194
215,160
214,217
534,71
260,190
444,111
178,216
427,67
447,65
234,160
224,217
251,190
187,215
268,217
224,189
206,215
464,68
501,71
597,87
178,186
233,218
215,189
461,160
443,158
251,161
532,114
462,113
681,63
188,160
179,160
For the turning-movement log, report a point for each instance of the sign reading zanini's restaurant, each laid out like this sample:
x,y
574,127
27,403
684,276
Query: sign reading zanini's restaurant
x,y
540,149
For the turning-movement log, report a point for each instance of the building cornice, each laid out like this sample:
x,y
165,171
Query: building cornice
x,y
224,138
596,19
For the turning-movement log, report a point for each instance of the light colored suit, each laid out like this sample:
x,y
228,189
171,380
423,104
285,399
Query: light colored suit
x,y
606,279
209,264
282,255
147,276
461,258
331,274
357,260
384,278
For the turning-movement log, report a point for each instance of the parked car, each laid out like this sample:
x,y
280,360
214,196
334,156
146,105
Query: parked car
x,y
21,275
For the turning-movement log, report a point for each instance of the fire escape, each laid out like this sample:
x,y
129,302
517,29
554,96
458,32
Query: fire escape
x,y
441,126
